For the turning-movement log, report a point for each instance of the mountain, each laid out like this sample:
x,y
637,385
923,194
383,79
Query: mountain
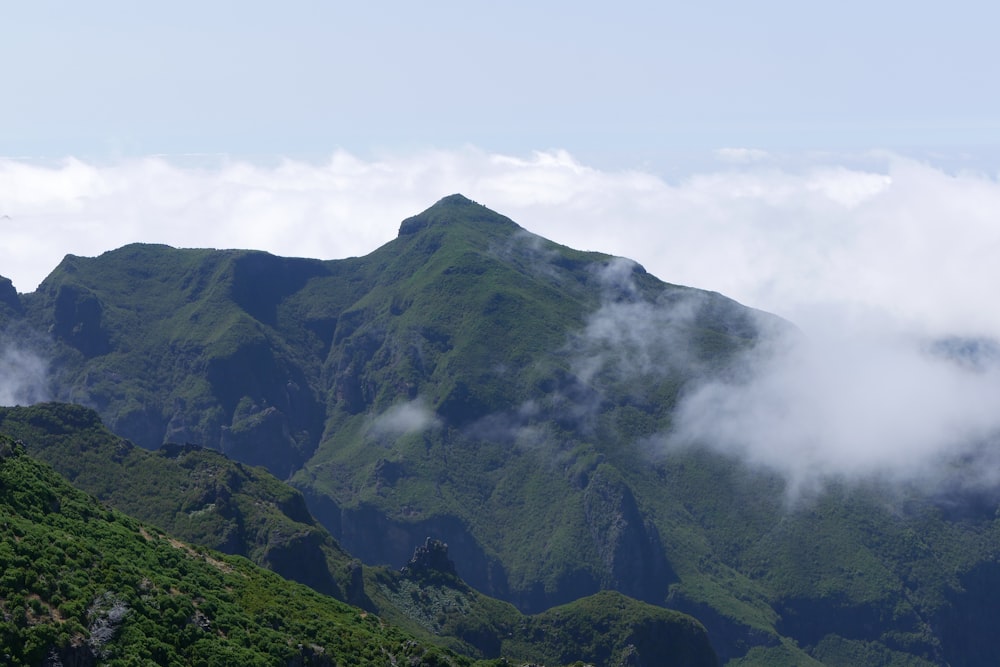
x,y
475,383
410,374
189,492
434,605
85,585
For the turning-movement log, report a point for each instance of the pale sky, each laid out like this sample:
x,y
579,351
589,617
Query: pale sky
x,y
708,140
618,85
834,163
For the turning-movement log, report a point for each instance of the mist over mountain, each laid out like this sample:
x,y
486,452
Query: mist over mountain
x,y
568,423
898,408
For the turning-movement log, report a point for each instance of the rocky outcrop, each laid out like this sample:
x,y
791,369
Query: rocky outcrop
x,y
628,546
77,314
376,539
300,558
8,296
429,559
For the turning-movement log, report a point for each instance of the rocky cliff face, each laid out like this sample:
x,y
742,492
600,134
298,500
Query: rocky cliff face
x,y
430,559
629,546
9,299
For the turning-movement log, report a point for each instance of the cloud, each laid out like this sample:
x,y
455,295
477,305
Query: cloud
x,y
873,256
827,407
404,419
23,376
630,337
878,232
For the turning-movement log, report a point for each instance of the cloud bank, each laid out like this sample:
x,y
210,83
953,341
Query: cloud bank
x,y
873,256
892,235
892,408
23,376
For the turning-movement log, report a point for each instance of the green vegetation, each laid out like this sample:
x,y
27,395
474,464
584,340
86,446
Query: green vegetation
x,y
609,628
83,582
207,500
474,383
191,493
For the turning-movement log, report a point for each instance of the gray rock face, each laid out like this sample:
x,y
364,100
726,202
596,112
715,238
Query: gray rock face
x,y
8,295
430,558
629,546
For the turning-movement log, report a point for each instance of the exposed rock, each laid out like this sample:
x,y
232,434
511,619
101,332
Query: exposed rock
x,y
429,559
300,557
78,314
355,593
374,538
629,546
8,295
106,615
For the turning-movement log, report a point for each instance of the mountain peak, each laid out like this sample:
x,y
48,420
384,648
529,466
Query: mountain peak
x,y
8,295
452,210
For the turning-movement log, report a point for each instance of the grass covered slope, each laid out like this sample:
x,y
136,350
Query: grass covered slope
x,y
83,584
476,399
472,382
194,494
207,500
406,389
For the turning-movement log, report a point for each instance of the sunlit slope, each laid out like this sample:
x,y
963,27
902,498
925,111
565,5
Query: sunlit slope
x,y
83,584
472,382
479,395
466,330
210,501
194,494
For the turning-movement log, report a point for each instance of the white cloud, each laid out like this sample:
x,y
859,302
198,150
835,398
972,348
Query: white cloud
x,y
872,256
405,418
901,237
870,405
23,376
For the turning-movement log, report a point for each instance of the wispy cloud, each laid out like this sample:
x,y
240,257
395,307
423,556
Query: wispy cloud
x,y
23,375
403,419
872,256
891,407
629,336
896,236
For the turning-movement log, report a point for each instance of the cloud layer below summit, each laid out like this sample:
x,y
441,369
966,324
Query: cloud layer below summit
x,y
884,238
873,258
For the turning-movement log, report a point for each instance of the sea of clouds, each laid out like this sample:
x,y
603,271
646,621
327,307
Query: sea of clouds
x,y
874,257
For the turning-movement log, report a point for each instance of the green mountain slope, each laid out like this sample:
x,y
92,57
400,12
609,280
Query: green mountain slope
x,y
205,499
472,382
191,493
465,321
82,584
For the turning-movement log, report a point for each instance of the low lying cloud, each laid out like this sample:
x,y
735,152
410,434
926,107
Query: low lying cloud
x,y
630,336
891,407
23,376
404,419
878,231
873,256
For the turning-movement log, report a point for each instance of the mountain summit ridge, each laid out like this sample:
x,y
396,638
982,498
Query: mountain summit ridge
x,y
452,209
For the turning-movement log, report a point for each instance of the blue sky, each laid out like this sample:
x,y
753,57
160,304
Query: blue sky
x,y
628,85
314,127
834,163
